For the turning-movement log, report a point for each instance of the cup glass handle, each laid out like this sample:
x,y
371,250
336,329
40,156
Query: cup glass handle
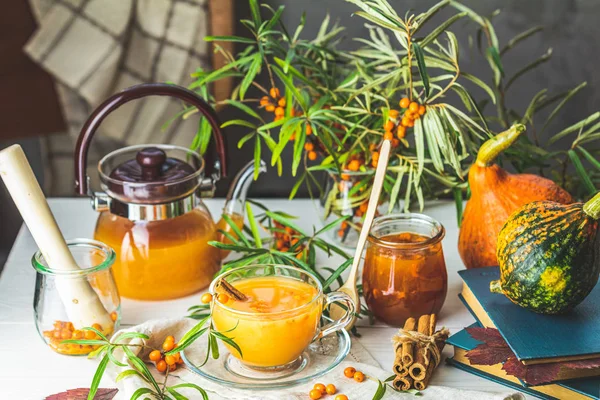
x,y
334,326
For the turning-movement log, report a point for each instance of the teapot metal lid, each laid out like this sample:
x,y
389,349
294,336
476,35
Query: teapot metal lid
x,y
151,174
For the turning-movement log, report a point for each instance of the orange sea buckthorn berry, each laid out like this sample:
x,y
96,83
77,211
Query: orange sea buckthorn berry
x,y
97,327
421,110
345,177
395,142
77,335
223,298
401,131
270,108
65,334
114,316
331,389
388,126
354,165
172,367
359,376
90,335
281,102
341,397
274,92
264,101
161,366
206,298
363,207
388,136
315,394
168,345
312,156
341,233
278,118
154,355
405,102
375,156
170,360
350,371
405,121
374,163
279,111
393,114
320,387
413,107
308,130
411,123
309,146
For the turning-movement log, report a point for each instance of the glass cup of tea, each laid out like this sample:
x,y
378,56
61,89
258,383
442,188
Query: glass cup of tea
x,y
279,319
404,273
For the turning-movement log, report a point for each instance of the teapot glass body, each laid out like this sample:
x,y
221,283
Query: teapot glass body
x,y
163,259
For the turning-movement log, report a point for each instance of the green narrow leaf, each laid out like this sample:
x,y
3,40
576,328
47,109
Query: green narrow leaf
x,y
195,329
240,122
458,201
214,347
520,37
257,151
569,95
140,392
98,377
492,51
589,157
244,108
289,85
229,341
585,178
253,70
422,67
481,84
253,225
419,146
192,386
544,58
274,19
577,126
332,278
440,29
255,10
237,39
127,373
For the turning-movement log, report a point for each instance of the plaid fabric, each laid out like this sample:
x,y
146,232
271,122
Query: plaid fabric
x,y
94,48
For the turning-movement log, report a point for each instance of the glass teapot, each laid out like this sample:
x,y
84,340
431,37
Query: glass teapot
x,y
151,209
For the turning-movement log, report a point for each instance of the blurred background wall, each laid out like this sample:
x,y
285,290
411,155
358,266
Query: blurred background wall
x,y
571,30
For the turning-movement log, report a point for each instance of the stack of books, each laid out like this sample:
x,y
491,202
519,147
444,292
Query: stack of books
x,y
560,342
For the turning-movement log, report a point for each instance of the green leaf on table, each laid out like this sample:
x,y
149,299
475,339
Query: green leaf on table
x,y
214,347
140,392
128,373
380,392
192,386
112,357
141,367
229,341
97,377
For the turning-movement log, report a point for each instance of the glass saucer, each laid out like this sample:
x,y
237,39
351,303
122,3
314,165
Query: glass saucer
x,y
319,358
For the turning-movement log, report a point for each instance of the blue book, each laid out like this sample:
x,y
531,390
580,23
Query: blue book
x,y
534,338
584,389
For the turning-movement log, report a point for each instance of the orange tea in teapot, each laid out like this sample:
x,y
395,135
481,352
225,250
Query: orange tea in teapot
x,y
162,259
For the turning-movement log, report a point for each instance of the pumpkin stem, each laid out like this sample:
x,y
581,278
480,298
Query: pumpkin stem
x,y
496,145
592,207
496,286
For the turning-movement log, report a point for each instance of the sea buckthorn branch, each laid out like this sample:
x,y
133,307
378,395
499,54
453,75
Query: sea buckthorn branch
x,y
165,359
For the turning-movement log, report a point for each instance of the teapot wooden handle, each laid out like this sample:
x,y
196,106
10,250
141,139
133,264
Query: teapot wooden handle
x,y
215,166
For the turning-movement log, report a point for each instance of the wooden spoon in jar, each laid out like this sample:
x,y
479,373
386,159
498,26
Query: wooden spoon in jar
x,y
336,312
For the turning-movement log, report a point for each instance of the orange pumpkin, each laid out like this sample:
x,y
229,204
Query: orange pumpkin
x,y
495,195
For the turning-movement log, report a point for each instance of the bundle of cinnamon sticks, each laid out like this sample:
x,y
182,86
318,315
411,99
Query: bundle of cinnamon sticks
x,y
418,352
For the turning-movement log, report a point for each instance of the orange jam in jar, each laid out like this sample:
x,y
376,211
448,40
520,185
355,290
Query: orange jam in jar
x,y
404,273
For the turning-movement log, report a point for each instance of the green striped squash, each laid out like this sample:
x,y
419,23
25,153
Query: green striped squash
x,y
549,255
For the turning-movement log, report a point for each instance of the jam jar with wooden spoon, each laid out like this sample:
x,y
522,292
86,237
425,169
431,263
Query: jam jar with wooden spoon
x,y
151,208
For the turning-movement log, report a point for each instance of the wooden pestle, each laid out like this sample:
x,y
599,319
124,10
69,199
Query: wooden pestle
x,y
81,303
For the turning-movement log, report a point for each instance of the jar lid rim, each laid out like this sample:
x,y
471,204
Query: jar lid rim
x,y
42,268
441,231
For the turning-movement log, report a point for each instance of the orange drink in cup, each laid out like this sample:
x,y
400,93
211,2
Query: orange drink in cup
x,y
280,317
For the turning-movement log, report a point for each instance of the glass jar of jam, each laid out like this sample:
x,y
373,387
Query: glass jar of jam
x,y
404,273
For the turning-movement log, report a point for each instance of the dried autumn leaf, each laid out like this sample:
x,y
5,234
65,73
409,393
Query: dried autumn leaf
x,y
489,336
82,394
489,355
